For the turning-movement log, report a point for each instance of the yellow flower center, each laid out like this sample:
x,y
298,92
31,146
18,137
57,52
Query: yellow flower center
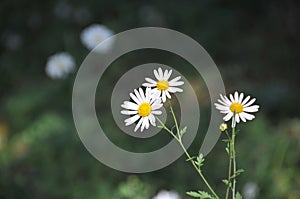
x,y
236,108
144,109
162,85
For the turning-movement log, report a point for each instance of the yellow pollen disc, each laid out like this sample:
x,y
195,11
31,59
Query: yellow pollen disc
x,y
236,108
162,85
144,109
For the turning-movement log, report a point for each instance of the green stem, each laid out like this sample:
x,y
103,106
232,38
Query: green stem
x,y
234,162
229,172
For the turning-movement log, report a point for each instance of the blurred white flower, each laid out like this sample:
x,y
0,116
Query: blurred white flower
x,y
59,65
95,34
167,195
250,190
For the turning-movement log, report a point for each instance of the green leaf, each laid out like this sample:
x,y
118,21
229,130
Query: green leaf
x,y
239,171
193,194
228,149
200,160
205,195
238,196
182,131
226,182
161,127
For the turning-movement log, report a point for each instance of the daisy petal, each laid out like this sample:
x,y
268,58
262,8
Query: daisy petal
x,y
129,105
134,98
163,96
148,84
156,112
168,94
137,94
131,120
246,100
176,83
251,109
249,103
241,98
150,80
175,79
236,96
156,75
228,116
160,73
152,119
126,112
165,75
168,75
174,89
247,116
138,125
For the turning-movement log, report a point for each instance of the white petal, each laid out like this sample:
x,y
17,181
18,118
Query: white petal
x,y
148,84
223,103
175,79
134,98
237,118
251,109
137,94
165,74
231,98
129,105
250,103
228,116
156,106
156,112
152,119
156,74
242,117
147,122
138,125
246,100
163,96
142,94
225,100
126,112
168,75
220,107
168,94
241,98
174,89
160,73
131,120
150,80
236,96
247,116
176,83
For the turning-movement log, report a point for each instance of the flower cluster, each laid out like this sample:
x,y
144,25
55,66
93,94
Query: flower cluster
x,y
144,105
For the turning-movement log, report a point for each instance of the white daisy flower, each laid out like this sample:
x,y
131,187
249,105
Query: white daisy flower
x,y
95,34
59,65
167,195
162,85
143,108
237,108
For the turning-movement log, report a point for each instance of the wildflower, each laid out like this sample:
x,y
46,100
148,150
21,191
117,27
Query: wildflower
x,y
223,127
237,108
250,190
94,35
144,107
167,195
59,65
162,85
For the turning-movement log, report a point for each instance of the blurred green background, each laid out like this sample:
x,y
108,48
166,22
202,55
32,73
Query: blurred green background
x,y
254,43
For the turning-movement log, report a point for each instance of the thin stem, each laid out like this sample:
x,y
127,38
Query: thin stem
x,y
234,162
229,172
184,149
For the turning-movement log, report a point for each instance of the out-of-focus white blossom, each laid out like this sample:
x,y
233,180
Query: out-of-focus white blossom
x,y
250,190
94,35
60,65
167,195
